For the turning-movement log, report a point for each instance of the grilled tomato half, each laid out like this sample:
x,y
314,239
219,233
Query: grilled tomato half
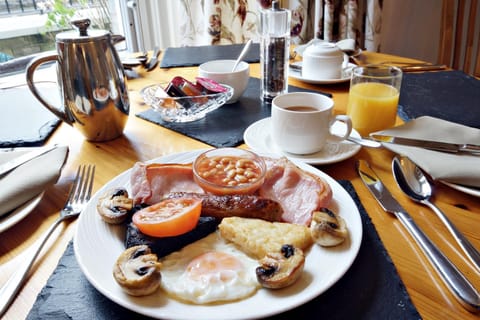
x,y
168,218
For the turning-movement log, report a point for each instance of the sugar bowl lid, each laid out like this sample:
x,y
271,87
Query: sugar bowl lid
x,y
323,49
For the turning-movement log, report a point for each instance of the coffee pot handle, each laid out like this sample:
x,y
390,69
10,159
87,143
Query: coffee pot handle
x,y
32,66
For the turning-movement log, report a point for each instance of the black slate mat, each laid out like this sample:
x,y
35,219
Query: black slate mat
x,y
194,56
370,289
24,121
223,127
448,95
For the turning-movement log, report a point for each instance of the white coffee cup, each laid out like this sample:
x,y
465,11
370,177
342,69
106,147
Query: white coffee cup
x,y
322,61
221,72
302,122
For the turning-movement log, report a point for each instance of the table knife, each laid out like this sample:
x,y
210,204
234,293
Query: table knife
x,y
428,144
12,164
154,60
456,282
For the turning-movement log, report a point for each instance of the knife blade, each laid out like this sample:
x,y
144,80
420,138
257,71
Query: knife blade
x,y
426,67
456,282
154,60
428,144
12,164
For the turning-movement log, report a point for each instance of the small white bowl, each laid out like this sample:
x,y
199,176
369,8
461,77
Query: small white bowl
x,y
221,71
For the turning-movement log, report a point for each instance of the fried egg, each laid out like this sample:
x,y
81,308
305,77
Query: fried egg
x,y
209,270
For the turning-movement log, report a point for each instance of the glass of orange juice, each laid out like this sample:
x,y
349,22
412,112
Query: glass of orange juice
x,y
373,98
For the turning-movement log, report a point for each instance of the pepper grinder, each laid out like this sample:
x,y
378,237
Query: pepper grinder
x,y
274,50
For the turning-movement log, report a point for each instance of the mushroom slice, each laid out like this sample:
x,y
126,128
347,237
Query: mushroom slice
x,y
137,271
327,228
280,269
114,205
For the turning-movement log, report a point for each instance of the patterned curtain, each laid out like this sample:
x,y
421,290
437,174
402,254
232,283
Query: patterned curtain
x,y
204,22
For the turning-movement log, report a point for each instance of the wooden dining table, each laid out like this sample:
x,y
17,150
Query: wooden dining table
x,y
143,140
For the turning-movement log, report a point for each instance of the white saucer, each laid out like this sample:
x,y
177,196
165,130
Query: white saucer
x,y
13,217
297,74
257,137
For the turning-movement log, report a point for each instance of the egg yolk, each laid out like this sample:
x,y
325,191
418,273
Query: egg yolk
x,y
214,265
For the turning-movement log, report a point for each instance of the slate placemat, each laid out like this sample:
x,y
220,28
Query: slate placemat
x,y
370,289
448,95
25,121
196,55
225,126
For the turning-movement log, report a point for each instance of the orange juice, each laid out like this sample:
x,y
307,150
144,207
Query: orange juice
x,y
372,106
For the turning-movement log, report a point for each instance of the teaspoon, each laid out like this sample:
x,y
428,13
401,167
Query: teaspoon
x,y
242,54
414,183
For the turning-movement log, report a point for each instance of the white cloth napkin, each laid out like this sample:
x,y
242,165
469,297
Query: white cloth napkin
x,y
29,179
455,168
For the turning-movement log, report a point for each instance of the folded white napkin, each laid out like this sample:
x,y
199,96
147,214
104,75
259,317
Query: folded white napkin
x,y
455,168
29,179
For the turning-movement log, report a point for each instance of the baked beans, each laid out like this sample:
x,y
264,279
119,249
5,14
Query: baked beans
x,y
229,170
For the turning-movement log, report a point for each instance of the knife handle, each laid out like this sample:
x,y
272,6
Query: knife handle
x,y
461,288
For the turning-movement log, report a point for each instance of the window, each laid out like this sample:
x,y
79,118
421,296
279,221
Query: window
x,y
29,27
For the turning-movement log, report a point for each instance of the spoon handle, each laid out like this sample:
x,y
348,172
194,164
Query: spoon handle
x,y
466,245
456,282
242,54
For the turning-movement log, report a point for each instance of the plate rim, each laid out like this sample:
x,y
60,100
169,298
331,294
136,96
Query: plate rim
x,y
462,188
136,305
16,215
313,161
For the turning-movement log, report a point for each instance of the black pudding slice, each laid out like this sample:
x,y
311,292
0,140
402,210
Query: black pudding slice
x,y
166,245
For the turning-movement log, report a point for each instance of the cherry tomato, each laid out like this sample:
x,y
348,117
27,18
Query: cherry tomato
x,y
168,218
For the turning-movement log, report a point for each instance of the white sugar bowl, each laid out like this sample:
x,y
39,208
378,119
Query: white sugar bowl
x,y
322,60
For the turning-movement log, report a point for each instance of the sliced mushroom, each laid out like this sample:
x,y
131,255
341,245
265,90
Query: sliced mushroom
x,y
281,269
327,228
114,205
137,271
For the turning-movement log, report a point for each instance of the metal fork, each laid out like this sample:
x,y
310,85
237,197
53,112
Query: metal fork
x,y
78,197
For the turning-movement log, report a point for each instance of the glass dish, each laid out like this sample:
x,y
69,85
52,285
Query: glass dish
x,y
183,109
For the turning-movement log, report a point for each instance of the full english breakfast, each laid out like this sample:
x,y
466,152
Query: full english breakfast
x,y
213,247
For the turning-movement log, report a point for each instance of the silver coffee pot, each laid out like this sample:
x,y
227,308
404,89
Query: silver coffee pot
x,y
92,82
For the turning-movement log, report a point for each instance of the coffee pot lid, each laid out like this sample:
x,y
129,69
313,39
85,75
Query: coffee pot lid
x,y
81,34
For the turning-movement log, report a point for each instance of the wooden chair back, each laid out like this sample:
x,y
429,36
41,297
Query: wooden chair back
x,y
460,35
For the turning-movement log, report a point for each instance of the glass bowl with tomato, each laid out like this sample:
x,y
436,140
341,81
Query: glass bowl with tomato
x,y
228,171
182,100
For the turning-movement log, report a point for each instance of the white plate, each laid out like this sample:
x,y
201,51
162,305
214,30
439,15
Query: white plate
x,y
297,74
257,137
13,217
97,246
466,189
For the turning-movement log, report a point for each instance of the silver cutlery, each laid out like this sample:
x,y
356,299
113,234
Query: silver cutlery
x,y
414,183
12,164
429,144
365,142
456,282
242,54
78,197
154,60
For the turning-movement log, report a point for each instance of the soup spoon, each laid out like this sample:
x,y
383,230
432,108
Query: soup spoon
x,y
414,183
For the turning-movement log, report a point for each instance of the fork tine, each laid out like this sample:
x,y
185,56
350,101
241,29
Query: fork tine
x,y
82,185
74,189
89,183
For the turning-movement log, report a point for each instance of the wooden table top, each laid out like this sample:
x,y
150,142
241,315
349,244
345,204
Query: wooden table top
x,y
143,141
